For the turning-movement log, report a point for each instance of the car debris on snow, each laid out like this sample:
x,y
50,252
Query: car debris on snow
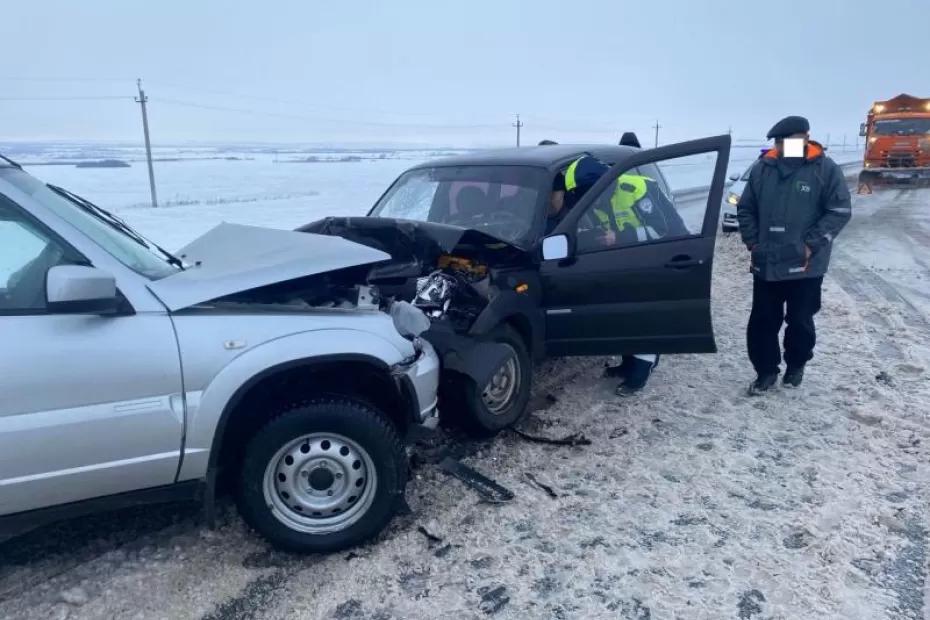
x,y
489,490
545,487
573,439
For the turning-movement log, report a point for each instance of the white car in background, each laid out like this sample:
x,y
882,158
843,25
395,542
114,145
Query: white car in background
x,y
729,223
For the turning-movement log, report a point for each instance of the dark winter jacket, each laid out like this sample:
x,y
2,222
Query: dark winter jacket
x,y
788,203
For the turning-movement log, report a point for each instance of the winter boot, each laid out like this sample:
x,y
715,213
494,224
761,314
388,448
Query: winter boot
x,y
636,378
763,383
622,370
793,376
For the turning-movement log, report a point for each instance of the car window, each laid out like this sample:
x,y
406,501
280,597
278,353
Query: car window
x,y
140,259
26,255
498,200
648,204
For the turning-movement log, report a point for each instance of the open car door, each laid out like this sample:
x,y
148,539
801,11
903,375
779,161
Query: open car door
x,y
618,284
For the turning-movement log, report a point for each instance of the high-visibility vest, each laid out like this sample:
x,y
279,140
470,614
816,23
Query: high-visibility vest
x,y
629,190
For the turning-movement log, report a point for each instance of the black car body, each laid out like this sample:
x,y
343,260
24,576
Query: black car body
x,y
494,283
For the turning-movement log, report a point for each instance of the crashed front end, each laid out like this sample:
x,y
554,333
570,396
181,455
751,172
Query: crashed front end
x,y
467,283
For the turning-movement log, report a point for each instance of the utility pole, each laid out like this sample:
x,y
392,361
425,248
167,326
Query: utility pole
x,y
828,140
657,126
518,125
844,142
141,100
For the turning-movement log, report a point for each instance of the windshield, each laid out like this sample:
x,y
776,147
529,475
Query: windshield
x,y
499,200
903,127
127,250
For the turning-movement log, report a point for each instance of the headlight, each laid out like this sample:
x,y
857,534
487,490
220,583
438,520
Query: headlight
x,y
733,198
872,139
880,108
409,321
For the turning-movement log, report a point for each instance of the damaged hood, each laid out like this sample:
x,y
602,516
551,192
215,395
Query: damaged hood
x,y
413,241
232,259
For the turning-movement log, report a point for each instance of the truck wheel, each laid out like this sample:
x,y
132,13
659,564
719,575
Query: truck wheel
x,y
484,410
322,476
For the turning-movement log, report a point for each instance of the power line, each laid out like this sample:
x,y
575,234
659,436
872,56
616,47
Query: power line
x,y
74,98
284,115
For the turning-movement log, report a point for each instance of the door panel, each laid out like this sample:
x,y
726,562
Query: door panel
x,y
642,289
89,405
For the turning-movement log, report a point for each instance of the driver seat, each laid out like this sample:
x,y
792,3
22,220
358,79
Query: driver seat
x,y
470,202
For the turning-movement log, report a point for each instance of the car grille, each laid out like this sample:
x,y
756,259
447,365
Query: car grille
x,y
900,160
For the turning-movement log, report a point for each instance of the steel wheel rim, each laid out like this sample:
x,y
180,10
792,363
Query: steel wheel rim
x,y
320,483
504,384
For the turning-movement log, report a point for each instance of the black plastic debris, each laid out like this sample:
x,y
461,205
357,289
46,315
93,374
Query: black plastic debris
x,y
489,490
545,487
575,439
431,538
884,377
493,599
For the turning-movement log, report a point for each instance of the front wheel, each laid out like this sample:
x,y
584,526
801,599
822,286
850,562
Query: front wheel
x,y
487,409
322,476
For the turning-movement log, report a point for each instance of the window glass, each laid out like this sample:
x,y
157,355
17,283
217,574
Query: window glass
x,y
26,255
498,200
655,202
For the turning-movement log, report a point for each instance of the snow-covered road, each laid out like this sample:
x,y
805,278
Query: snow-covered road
x,y
692,501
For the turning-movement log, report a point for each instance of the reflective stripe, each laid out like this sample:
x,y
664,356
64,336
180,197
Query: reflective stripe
x,y
797,269
559,311
776,229
570,182
840,209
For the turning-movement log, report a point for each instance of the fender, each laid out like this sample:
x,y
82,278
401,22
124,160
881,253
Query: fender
x,y
508,304
207,418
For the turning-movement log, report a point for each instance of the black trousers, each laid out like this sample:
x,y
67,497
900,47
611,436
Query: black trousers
x,y
773,303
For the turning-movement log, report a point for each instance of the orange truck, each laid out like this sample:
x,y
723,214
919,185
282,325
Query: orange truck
x,y
897,142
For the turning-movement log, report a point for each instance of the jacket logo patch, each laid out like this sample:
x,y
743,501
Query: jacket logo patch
x,y
803,187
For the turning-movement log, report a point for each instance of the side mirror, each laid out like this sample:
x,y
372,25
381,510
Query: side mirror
x,y
75,289
555,248
862,131
734,177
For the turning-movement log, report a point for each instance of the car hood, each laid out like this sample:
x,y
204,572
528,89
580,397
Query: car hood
x,y
410,241
232,259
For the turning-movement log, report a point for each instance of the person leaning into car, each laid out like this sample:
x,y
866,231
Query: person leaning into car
x,y
633,199
794,205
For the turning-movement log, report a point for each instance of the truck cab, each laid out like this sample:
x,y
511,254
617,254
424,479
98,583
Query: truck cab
x,y
897,148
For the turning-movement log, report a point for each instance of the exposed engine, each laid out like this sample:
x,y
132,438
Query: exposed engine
x,y
457,290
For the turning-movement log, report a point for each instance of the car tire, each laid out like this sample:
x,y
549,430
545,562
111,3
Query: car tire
x,y
322,476
484,414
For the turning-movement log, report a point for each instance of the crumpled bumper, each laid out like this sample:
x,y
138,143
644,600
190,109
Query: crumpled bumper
x,y
418,379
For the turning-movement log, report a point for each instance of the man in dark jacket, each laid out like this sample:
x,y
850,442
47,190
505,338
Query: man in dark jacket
x,y
794,205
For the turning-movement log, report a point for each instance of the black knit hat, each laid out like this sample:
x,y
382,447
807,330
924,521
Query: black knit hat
x,y
789,126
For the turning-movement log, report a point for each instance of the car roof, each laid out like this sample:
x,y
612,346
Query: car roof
x,y
548,156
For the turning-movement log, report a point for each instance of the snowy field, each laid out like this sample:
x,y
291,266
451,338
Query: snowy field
x,y
692,501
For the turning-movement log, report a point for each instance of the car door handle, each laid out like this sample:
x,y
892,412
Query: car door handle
x,y
683,262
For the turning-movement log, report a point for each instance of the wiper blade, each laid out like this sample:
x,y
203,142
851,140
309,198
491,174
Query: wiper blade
x,y
116,222
10,161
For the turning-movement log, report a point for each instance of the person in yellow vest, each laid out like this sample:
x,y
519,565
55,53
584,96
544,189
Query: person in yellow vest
x,y
637,211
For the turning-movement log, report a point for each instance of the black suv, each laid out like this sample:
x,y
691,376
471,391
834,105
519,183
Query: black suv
x,y
469,243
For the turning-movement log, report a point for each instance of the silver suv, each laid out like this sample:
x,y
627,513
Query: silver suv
x,y
252,359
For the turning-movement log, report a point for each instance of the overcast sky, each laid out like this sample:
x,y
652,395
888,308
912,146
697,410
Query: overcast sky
x,y
452,73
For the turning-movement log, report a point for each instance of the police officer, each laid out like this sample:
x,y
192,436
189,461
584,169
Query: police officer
x,y
794,205
637,211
